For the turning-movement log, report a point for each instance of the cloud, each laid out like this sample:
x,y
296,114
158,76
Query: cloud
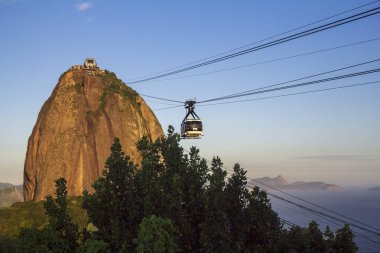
x,y
83,6
337,158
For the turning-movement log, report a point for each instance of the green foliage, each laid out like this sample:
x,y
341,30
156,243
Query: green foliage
x,y
22,215
115,85
156,236
94,246
314,238
311,240
79,88
344,240
110,208
60,234
90,113
31,214
45,240
60,220
8,244
328,235
296,240
216,232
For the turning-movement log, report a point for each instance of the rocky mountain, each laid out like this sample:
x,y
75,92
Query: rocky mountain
x,y
5,185
281,183
76,127
375,189
10,195
278,181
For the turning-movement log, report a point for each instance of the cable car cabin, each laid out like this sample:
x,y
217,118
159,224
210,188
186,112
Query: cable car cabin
x,y
191,128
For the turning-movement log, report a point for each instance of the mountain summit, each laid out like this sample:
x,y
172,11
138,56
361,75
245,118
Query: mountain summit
x,y
76,127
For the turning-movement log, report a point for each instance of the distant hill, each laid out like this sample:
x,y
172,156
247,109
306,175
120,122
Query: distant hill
x,y
375,189
5,185
281,183
10,194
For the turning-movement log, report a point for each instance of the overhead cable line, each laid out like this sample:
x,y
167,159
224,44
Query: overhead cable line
x,y
164,99
270,61
261,40
371,71
166,108
289,223
154,102
321,28
290,81
362,226
283,95
314,204
292,94
259,90
318,213
365,228
324,214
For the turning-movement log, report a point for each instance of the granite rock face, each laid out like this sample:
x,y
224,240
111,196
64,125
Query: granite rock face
x,y
76,128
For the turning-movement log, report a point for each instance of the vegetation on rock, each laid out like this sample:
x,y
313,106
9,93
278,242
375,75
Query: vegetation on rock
x,y
116,85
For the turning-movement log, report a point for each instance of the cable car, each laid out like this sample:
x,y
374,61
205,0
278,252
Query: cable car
x,y
191,127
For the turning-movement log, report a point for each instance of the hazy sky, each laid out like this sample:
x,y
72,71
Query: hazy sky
x,y
332,136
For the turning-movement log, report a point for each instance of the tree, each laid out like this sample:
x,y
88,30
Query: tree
x,y
156,236
216,233
45,241
59,218
61,234
296,239
344,240
111,207
314,238
329,239
94,246
147,179
237,200
193,180
264,229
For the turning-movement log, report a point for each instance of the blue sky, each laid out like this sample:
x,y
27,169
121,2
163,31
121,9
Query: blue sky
x,y
329,136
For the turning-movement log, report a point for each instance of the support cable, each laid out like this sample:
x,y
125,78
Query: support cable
x,y
290,81
365,227
293,94
367,72
261,40
321,28
164,99
271,60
